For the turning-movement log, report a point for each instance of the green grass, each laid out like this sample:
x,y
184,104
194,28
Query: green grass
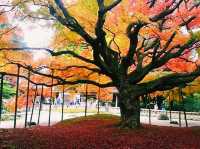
x,y
90,117
77,110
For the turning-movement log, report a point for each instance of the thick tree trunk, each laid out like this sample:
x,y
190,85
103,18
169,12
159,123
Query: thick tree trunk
x,y
130,110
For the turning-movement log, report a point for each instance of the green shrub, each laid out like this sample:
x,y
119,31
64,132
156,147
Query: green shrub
x,y
192,103
177,106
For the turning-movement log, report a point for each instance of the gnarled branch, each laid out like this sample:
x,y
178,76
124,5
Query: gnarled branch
x,y
166,11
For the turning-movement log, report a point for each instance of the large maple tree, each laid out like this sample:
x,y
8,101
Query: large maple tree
x,y
125,40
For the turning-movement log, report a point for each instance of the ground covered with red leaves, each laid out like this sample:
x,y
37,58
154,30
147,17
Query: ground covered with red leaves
x,y
99,132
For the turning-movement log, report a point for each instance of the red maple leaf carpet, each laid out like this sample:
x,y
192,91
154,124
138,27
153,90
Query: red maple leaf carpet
x,y
99,132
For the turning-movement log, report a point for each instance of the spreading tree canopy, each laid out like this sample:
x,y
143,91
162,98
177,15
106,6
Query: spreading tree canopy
x,y
122,41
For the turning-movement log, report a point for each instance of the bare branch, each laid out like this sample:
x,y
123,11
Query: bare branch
x,y
67,52
166,12
171,81
159,61
72,66
60,80
169,41
70,22
7,31
111,6
115,43
132,33
186,22
12,7
41,18
196,5
151,3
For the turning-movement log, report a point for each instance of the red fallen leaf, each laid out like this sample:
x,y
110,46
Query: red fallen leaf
x,y
100,133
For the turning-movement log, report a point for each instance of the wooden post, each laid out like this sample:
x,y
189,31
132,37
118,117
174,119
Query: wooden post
x,y
170,108
149,116
49,123
1,96
86,98
179,113
185,116
179,117
98,97
40,105
148,96
170,113
33,104
173,96
16,99
98,101
27,97
63,94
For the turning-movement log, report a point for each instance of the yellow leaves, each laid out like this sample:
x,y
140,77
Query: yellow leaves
x,y
13,56
64,37
196,35
73,68
155,75
174,94
85,12
90,5
120,42
88,21
141,17
87,53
